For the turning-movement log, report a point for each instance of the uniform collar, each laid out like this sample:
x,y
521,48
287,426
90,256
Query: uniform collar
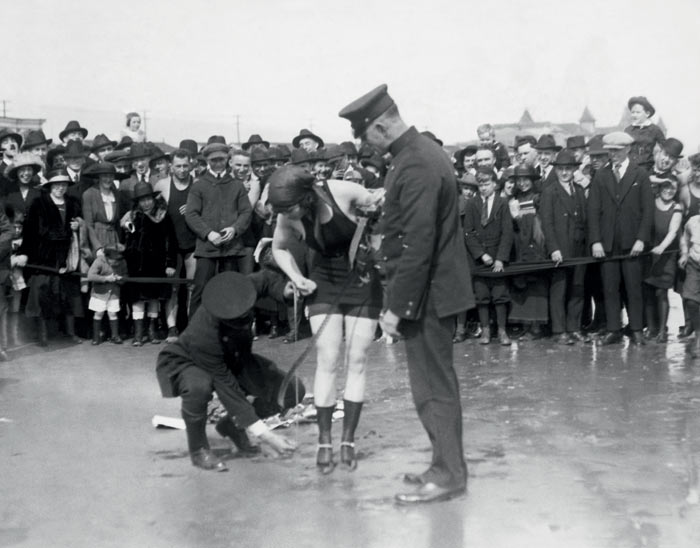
x,y
402,142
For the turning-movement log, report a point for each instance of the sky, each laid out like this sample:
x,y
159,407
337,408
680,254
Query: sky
x,y
281,65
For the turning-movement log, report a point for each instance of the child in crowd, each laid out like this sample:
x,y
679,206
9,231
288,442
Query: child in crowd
x,y
105,274
488,226
690,261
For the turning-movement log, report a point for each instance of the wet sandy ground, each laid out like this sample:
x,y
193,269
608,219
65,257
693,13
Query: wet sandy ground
x,y
567,447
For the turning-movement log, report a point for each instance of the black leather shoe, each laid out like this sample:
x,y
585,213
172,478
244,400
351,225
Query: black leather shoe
x,y
430,492
274,332
637,338
206,460
238,436
686,331
611,337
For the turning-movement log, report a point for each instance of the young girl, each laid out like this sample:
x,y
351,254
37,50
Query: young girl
x,y
151,251
646,134
668,215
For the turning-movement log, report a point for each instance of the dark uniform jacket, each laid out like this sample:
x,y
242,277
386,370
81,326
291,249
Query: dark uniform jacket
x,y
620,213
224,356
422,245
496,238
564,220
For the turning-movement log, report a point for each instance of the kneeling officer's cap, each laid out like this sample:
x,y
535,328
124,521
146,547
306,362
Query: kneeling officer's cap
x,y
229,295
361,112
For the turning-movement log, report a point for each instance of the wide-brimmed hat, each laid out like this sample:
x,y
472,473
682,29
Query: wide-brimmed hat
x,y
7,132
526,170
157,154
306,134
216,150
547,142
220,139
333,153
577,141
35,138
124,143
101,141
57,176
75,149
566,158
430,135
100,168
299,155
259,155
595,146
72,127
673,147
143,190
468,179
229,295
275,154
617,140
644,102
24,159
468,150
116,155
255,139
139,151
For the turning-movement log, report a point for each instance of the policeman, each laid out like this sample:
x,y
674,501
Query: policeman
x,y
215,353
428,281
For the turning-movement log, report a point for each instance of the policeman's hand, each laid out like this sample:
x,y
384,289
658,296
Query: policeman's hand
x,y
274,445
227,234
683,261
557,257
214,238
497,266
21,261
597,250
170,272
657,250
100,252
305,286
637,248
288,291
389,322
487,259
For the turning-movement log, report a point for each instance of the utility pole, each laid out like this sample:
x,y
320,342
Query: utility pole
x,y
238,129
4,108
145,119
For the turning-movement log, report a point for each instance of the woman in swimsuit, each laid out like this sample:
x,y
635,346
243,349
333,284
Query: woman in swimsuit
x,y
323,214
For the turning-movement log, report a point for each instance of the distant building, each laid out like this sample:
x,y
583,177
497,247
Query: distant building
x,y
586,126
21,125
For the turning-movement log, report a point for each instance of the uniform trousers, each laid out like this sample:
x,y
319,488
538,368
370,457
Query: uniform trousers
x,y
613,272
208,267
435,390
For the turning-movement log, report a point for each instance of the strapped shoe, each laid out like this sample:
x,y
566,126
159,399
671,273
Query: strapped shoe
x,y
347,455
324,458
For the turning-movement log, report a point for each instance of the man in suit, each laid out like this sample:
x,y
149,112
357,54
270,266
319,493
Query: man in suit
x,y
563,215
427,281
139,156
10,143
488,227
620,220
76,156
547,149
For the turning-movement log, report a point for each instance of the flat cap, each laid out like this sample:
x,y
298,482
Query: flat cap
x,y
217,150
617,139
361,112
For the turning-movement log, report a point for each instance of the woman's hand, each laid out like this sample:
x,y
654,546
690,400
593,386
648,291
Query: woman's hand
x,y
305,286
658,250
170,272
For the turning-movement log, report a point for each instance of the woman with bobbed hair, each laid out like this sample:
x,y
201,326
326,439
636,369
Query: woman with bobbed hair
x,y
346,302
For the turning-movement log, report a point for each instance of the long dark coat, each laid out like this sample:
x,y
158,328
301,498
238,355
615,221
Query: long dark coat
x,y
564,220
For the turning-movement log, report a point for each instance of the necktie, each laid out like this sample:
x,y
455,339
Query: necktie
x,y
571,189
616,171
485,212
